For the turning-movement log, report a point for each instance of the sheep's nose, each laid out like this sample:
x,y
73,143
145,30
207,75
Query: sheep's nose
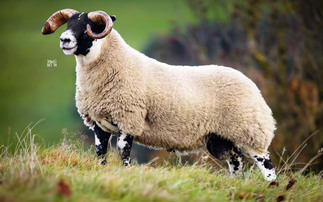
x,y
65,40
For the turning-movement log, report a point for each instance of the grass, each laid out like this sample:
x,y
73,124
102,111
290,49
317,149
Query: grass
x,y
69,172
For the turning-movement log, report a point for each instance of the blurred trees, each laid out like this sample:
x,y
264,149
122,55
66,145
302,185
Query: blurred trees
x,y
278,44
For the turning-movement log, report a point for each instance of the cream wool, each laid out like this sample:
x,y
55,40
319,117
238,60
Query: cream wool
x,y
123,92
168,106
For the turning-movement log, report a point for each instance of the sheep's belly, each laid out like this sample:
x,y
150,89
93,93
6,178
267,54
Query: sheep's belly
x,y
171,142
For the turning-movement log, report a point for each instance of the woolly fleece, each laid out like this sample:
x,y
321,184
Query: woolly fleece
x,y
165,106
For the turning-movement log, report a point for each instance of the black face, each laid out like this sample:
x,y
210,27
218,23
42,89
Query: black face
x,y
77,25
75,40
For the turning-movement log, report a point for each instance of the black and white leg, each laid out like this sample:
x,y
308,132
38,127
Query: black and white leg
x,y
124,146
222,148
265,165
101,143
235,161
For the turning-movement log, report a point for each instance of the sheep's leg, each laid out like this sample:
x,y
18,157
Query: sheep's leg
x,y
265,164
221,148
101,143
235,161
124,146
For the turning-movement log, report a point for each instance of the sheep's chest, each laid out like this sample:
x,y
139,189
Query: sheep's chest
x,y
93,110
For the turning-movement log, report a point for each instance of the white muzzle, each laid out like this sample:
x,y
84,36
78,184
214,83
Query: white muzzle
x,y
68,42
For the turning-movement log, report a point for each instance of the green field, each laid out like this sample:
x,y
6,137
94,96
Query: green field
x,y
70,172
29,90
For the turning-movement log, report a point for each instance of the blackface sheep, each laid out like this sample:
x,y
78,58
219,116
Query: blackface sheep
x,y
183,108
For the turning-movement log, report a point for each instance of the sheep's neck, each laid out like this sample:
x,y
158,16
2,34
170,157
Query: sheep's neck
x,y
107,61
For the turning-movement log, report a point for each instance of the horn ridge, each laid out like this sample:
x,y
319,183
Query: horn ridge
x,y
99,17
57,19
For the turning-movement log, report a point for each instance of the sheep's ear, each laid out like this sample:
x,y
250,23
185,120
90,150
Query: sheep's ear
x,y
113,18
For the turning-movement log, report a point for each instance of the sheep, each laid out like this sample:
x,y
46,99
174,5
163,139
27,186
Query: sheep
x,y
122,92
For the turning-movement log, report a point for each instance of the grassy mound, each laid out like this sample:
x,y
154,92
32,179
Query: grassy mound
x,y
70,172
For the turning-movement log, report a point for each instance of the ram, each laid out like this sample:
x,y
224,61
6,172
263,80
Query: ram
x,y
181,108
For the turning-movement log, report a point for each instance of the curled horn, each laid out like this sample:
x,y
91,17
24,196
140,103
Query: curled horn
x,y
99,17
57,19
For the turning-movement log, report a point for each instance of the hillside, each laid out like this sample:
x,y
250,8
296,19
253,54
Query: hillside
x,y
69,172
